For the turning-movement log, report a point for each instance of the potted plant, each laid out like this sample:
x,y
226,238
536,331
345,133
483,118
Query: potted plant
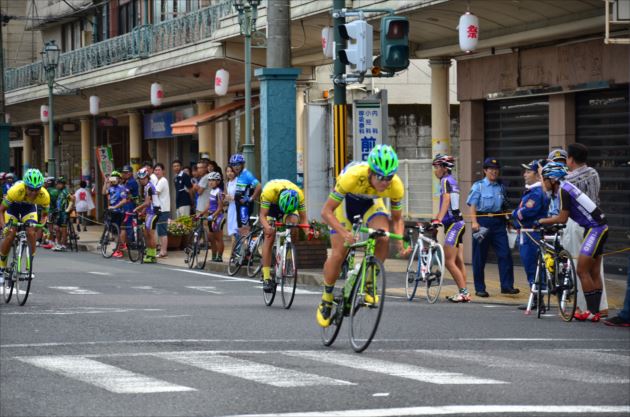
x,y
311,250
177,230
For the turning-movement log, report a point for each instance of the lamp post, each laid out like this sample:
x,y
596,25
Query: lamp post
x,y
247,13
50,57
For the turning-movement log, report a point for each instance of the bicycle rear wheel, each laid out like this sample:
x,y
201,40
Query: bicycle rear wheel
x,y
202,247
234,264
329,334
133,245
7,286
72,237
367,305
288,281
110,240
540,298
566,292
254,262
435,274
23,274
412,278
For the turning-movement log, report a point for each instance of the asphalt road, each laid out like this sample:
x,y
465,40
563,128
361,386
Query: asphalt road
x,y
110,338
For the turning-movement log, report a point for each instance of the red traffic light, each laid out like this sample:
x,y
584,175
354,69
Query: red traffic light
x,y
397,29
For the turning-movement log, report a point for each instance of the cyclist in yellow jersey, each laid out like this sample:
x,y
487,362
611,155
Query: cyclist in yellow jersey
x,y
279,199
360,190
20,204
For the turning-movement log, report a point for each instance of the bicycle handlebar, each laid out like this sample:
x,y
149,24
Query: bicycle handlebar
x,y
380,232
290,225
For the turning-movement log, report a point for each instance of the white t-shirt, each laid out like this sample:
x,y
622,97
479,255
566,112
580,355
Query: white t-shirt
x,y
164,194
203,198
83,200
153,178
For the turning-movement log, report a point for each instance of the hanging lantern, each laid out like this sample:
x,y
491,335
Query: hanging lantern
x,y
7,118
468,32
221,82
43,113
95,104
157,94
328,41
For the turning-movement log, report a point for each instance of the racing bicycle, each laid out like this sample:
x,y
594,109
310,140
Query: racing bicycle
x,y
363,295
135,238
198,247
247,250
19,271
426,264
110,238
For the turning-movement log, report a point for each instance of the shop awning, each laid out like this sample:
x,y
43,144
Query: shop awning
x,y
189,126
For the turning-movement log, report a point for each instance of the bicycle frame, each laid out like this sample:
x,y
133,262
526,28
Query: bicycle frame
x,y
424,257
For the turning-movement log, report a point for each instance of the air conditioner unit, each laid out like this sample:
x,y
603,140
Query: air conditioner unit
x,y
621,11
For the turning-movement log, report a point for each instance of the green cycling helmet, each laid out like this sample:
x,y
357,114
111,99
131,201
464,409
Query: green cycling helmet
x,y
115,174
288,201
383,160
33,179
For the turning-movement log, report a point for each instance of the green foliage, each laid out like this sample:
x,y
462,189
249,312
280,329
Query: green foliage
x,y
180,227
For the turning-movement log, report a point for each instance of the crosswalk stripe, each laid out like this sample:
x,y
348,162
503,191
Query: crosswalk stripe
x,y
408,371
209,289
550,370
76,290
253,371
111,378
591,355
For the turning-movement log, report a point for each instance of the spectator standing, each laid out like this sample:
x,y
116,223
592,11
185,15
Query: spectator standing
x,y
623,318
248,190
183,190
149,167
214,167
487,198
202,187
586,179
232,226
534,206
62,216
164,195
8,182
133,196
117,198
83,203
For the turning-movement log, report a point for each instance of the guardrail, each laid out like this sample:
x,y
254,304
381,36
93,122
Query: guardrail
x,y
141,42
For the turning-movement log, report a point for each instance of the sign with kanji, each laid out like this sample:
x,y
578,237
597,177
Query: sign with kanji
x,y
368,121
105,160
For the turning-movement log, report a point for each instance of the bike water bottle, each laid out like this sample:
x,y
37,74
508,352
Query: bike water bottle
x,y
352,276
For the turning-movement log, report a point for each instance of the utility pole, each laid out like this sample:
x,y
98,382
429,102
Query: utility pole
x,y
4,127
340,109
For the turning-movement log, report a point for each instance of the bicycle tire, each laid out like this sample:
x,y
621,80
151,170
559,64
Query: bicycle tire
x,y
202,248
254,262
110,240
412,277
7,286
72,237
361,335
142,247
540,299
435,276
329,334
234,263
269,297
133,245
568,291
288,280
541,273
24,274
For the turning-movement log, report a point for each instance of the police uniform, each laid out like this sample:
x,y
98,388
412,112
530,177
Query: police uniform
x,y
489,198
533,206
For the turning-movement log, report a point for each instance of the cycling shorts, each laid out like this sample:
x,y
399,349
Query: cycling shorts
x,y
454,232
61,219
242,213
275,213
352,206
217,224
21,212
116,217
594,240
151,221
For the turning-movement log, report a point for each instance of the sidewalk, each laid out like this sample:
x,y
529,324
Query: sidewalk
x,y
396,268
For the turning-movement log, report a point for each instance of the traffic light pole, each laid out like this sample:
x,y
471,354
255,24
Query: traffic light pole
x,y
340,110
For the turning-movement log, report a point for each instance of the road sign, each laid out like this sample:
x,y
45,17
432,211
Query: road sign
x,y
369,121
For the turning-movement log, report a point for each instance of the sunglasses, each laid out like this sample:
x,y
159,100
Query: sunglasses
x,y
384,178
32,189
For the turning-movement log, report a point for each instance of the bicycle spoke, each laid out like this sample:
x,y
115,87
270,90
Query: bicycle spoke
x,y
367,305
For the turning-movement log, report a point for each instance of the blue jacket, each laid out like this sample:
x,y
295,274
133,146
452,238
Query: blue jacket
x,y
533,206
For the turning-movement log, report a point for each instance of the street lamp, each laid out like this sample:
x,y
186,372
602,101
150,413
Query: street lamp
x,y
50,58
247,13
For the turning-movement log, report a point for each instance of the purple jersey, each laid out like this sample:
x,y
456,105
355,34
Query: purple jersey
x,y
151,192
214,200
448,185
582,209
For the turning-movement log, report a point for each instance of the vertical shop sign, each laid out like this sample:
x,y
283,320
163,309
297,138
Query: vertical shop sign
x,y
105,159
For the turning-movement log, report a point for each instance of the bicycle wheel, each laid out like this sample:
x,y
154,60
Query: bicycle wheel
x,y
133,248
566,292
364,315
7,286
203,246
288,280
73,244
254,262
435,276
191,251
234,264
329,334
23,274
412,277
110,241
540,298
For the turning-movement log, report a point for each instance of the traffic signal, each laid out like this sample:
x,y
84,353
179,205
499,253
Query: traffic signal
x,y
358,53
394,43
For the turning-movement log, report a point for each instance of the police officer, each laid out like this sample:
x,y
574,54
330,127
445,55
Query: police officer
x,y
533,206
487,197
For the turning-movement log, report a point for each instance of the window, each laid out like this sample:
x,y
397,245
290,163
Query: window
x,y
170,9
101,21
127,17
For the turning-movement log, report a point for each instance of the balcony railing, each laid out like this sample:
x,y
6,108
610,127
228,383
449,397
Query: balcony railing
x,y
141,42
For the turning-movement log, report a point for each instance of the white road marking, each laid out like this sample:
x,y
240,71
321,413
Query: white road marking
x,y
551,371
253,371
458,409
605,356
396,369
208,274
211,290
297,290
81,310
380,394
111,378
75,290
99,273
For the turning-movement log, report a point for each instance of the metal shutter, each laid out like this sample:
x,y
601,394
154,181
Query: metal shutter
x,y
603,125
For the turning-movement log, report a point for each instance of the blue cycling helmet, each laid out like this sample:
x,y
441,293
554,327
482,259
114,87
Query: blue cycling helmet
x,y
554,170
33,178
383,160
237,159
142,173
288,201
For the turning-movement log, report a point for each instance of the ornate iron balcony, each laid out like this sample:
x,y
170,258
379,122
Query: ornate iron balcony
x,y
141,42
